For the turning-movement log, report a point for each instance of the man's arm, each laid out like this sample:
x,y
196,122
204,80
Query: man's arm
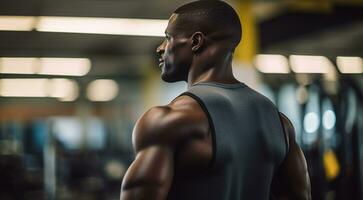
x,y
182,127
150,175
292,179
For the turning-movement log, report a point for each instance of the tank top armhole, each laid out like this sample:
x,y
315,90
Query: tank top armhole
x,y
211,125
286,137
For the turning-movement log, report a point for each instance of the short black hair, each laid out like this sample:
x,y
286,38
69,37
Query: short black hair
x,y
211,17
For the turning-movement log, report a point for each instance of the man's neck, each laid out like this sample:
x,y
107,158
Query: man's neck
x,y
220,74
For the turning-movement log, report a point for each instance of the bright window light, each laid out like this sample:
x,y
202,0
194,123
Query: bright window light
x,y
65,66
272,64
113,26
68,130
350,65
310,64
23,87
311,122
17,23
18,65
102,90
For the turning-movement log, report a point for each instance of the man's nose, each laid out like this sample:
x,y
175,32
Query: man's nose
x,y
161,48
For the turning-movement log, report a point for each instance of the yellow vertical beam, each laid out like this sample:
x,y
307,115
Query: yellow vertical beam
x,y
247,49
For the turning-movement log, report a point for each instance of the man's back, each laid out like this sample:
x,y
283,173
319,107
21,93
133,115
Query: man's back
x,y
248,146
216,141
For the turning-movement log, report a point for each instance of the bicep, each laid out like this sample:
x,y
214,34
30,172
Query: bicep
x,y
150,174
292,178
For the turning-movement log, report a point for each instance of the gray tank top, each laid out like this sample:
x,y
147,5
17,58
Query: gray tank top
x,y
248,145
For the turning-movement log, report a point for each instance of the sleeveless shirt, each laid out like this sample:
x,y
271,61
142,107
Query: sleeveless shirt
x,y
248,145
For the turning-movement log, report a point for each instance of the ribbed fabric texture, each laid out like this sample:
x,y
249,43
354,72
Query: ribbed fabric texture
x,y
248,145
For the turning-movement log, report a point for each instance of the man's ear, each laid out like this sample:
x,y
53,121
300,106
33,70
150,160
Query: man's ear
x,y
198,39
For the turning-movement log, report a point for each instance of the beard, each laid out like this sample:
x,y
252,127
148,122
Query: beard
x,y
173,73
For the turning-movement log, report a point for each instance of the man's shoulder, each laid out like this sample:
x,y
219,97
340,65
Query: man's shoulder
x,y
170,124
257,99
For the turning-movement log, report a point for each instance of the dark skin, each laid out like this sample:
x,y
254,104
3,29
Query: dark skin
x,y
183,127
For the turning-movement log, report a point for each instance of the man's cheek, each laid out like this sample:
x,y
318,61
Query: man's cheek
x,y
171,58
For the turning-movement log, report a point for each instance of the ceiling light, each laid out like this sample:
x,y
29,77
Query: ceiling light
x,y
65,66
102,90
113,26
46,66
17,23
272,64
350,65
18,65
23,87
63,89
310,64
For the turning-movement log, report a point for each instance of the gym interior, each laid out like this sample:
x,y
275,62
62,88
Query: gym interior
x,y
75,75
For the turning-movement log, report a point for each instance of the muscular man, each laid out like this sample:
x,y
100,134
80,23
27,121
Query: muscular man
x,y
220,140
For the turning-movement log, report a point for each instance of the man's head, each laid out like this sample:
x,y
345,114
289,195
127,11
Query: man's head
x,y
193,28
